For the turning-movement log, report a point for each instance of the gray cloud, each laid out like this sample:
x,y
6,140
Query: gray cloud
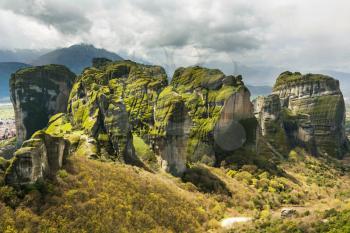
x,y
205,24
66,18
295,34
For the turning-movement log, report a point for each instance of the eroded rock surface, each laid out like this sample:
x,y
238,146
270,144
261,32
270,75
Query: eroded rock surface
x,y
37,93
309,109
202,116
210,109
41,156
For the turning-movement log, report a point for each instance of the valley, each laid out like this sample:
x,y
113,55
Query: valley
x,y
137,153
166,116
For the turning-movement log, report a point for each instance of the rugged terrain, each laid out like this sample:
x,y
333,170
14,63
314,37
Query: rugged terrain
x,y
309,110
134,153
37,93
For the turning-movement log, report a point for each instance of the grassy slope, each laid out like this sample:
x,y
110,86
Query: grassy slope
x,y
106,197
93,196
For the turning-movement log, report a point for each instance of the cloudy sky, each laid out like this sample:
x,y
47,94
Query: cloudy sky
x,y
296,34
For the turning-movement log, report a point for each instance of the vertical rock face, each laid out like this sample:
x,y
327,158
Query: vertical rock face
x,y
312,112
210,107
202,116
39,157
171,131
113,101
38,93
267,109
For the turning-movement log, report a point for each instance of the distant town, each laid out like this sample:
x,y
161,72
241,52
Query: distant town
x,y
7,122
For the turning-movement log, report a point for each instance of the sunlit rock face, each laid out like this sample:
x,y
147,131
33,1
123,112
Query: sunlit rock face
x,y
201,116
214,117
39,157
38,93
113,101
312,112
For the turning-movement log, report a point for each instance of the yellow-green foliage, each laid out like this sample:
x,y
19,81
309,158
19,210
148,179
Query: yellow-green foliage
x,y
203,93
135,84
144,152
100,196
87,149
193,77
167,104
7,142
91,196
58,125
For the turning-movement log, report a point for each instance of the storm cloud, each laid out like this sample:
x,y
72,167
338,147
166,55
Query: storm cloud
x,y
293,34
67,18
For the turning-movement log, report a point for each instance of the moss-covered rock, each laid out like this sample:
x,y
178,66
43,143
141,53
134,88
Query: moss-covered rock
x,y
199,114
38,93
310,109
202,115
114,100
43,154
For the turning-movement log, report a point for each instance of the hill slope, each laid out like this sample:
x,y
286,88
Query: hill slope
x,y
75,57
90,196
94,196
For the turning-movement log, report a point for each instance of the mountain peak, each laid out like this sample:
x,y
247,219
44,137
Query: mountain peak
x,y
76,57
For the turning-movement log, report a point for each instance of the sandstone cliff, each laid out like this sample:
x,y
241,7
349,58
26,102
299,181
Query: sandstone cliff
x,y
38,93
309,109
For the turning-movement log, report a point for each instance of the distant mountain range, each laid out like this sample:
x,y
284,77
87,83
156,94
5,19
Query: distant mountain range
x,y
21,55
75,57
6,69
259,79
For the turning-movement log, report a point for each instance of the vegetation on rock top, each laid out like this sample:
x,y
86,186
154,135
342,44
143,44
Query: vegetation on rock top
x,y
289,79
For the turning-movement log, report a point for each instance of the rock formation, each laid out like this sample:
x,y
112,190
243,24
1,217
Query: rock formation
x,y
309,109
210,109
38,93
202,115
42,155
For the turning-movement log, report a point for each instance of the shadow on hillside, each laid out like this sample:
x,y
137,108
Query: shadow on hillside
x,y
205,181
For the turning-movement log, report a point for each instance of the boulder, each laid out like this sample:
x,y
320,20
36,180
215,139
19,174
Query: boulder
x,y
288,212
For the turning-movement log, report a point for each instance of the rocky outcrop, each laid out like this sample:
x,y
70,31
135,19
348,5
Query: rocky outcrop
x,y
41,156
267,110
111,102
309,109
38,93
202,116
171,131
210,109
